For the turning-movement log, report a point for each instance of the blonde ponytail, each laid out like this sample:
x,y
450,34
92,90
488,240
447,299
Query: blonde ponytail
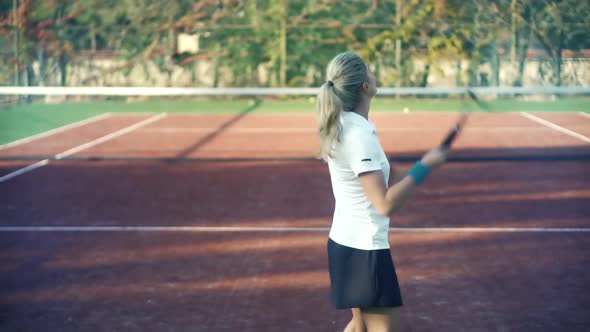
x,y
341,93
329,110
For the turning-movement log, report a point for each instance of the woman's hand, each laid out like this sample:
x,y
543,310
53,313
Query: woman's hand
x,y
435,157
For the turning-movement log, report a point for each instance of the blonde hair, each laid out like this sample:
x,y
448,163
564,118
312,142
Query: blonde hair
x,y
341,93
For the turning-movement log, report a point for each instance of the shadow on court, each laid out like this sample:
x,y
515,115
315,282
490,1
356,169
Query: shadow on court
x,y
287,194
257,281
208,138
241,154
278,281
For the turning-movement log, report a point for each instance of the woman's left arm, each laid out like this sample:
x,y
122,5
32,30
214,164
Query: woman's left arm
x,y
395,175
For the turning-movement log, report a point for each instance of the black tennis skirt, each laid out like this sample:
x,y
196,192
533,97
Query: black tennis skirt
x,y
362,278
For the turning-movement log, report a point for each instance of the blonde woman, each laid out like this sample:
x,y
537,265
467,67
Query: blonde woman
x,y
362,274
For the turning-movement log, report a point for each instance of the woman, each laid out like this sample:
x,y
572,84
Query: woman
x,y
362,274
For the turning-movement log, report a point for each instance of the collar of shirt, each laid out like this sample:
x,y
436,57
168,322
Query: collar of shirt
x,y
359,120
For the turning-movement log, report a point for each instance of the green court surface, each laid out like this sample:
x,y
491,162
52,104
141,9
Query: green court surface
x,y
30,119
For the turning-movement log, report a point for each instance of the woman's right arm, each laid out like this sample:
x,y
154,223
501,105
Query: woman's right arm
x,y
388,200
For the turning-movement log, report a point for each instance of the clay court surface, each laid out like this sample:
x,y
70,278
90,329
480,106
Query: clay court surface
x,y
219,222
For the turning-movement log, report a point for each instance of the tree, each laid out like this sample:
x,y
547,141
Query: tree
x,y
426,37
559,25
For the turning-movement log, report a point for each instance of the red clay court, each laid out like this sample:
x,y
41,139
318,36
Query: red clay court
x,y
219,222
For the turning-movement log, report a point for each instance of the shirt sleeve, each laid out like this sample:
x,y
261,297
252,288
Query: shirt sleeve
x,y
362,153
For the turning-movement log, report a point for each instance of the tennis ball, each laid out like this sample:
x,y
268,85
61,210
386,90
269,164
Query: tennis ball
x,y
406,110
251,102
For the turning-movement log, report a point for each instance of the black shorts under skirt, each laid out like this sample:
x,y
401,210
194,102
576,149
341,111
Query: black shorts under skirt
x,y
362,278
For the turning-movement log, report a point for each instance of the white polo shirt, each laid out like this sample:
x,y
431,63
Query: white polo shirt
x,y
356,222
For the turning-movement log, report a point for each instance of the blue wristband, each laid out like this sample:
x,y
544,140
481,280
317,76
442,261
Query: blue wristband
x,y
419,172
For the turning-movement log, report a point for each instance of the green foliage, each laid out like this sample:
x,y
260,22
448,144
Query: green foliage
x,y
243,38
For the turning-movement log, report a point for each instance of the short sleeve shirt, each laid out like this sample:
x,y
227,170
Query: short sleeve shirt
x,y
356,222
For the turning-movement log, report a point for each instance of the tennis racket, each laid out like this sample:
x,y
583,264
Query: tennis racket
x,y
452,135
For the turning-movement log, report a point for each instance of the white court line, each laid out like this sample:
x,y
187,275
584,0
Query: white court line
x,y
109,136
311,112
82,147
121,114
313,130
584,114
207,229
235,130
24,170
556,127
55,131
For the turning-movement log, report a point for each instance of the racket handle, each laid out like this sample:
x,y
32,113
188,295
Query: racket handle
x,y
450,137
